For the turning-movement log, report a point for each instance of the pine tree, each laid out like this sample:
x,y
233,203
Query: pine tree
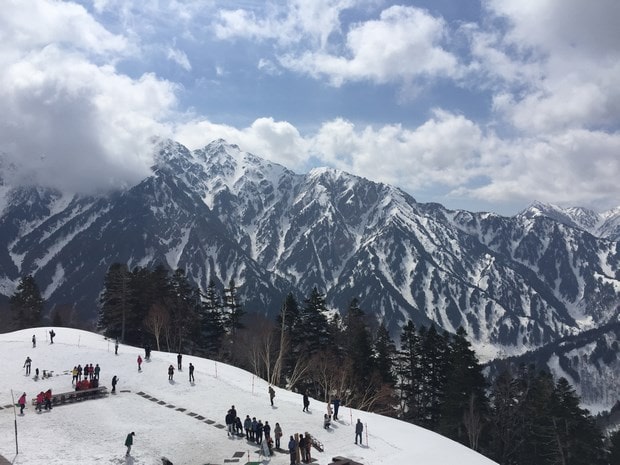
x,y
385,354
26,303
233,308
464,408
408,370
313,320
212,329
184,310
358,347
434,353
614,448
115,301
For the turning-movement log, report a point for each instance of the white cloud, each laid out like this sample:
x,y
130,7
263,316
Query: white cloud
x,y
566,57
402,45
286,23
76,123
574,167
180,58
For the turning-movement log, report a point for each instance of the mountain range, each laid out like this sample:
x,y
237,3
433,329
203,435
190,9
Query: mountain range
x,y
514,283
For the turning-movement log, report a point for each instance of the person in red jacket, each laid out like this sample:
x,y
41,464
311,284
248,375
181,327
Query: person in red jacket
x,y
22,403
48,399
40,400
139,363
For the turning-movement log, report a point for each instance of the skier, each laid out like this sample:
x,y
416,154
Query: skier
x,y
22,403
27,364
292,447
179,358
52,334
170,373
272,394
139,363
114,381
306,402
34,341
129,442
358,431
191,372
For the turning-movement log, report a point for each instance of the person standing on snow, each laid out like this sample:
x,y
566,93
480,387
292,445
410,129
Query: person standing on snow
x,y
139,363
179,359
34,341
336,403
359,427
170,373
129,442
277,431
292,450
27,364
116,347
52,334
22,403
272,394
114,381
306,402
191,372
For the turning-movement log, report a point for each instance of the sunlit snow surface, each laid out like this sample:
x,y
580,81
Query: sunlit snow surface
x,y
93,431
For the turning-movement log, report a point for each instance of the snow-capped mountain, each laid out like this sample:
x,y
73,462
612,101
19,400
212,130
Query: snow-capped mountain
x,y
513,283
605,225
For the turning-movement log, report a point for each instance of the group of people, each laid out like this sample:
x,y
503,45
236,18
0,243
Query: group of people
x,y
255,430
88,372
303,444
44,399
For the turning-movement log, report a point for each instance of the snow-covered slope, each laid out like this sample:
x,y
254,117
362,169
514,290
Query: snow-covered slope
x,y
93,432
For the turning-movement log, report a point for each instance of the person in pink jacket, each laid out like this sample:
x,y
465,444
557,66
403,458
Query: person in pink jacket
x,y
139,363
22,403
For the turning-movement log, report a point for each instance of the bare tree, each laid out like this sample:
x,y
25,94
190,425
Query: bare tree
x,y
156,320
473,423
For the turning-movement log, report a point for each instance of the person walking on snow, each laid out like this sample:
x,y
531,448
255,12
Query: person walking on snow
x,y
191,372
170,373
306,402
22,403
179,359
34,341
52,334
139,363
272,394
358,431
27,364
114,381
129,442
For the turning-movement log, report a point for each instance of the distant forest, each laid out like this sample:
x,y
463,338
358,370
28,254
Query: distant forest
x,y
432,378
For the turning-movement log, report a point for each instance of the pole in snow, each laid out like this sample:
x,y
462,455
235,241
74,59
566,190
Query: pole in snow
x,y
15,415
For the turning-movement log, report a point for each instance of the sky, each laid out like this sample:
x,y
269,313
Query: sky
x,y
482,105
94,431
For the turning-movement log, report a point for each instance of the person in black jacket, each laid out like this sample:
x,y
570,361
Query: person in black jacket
x,y
114,381
359,427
